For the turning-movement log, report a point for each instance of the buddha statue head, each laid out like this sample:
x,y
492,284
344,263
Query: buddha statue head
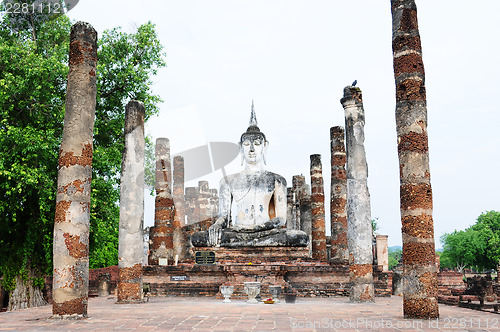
x,y
253,144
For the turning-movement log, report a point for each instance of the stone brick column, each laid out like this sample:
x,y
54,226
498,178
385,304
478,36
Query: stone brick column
x,y
178,190
191,208
382,250
162,244
338,198
72,219
419,268
318,210
290,211
204,201
214,203
180,241
299,190
130,234
359,225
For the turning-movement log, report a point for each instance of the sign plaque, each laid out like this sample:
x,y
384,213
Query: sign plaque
x,y
179,278
204,257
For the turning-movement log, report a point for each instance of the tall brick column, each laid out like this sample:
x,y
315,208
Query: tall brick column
x,y
204,201
191,209
290,208
318,210
382,251
72,220
359,225
299,190
178,190
338,198
419,269
162,245
130,233
214,203
180,240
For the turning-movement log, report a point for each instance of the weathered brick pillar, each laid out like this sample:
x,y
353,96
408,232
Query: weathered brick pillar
x,y
162,245
359,225
318,210
72,220
299,192
338,198
178,189
419,268
130,233
382,250
204,201
290,209
192,209
180,240
214,203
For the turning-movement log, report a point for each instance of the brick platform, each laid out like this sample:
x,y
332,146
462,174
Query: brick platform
x,y
271,266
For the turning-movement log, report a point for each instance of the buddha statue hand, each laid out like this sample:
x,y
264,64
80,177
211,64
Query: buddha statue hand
x,y
215,232
271,224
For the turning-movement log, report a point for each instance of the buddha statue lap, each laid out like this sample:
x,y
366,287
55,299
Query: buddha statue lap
x,y
252,203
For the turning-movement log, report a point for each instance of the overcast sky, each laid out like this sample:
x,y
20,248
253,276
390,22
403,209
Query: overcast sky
x,y
293,58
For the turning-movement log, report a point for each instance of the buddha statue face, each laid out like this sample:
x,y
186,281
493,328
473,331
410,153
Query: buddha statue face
x,y
253,148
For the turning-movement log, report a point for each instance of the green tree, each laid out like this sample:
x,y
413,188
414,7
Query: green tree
x,y
33,71
395,257
476,247
375,226
32,88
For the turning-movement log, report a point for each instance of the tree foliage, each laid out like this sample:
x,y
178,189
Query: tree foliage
x,y
33,72
395,257
476,247
32,88
125,65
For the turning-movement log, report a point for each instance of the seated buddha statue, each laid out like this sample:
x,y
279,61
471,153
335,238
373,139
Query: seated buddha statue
x,y
252,203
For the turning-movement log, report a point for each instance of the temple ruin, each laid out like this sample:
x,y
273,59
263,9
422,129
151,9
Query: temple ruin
x,y
206,237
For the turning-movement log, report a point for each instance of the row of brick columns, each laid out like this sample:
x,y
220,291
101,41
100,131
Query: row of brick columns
x,y
349,190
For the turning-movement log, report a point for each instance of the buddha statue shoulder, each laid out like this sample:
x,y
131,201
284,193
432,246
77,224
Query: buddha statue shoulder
x,y
252,203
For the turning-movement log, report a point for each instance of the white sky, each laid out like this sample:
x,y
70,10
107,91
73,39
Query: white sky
x,y
294,58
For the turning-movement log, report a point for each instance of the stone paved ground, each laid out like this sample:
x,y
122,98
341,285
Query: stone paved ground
x,y
209,314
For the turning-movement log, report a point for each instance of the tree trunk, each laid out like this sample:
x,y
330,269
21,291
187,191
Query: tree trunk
x,y
25,295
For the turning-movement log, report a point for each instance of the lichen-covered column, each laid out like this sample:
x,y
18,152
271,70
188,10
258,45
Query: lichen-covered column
x,y
130,233
72,219
338,198
317,210
419,268
359,225
162,235
180,240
